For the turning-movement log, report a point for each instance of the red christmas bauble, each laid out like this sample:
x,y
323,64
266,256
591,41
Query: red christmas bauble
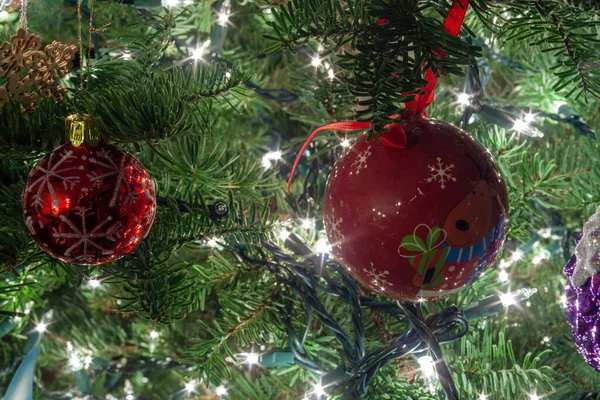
x,y
418,223
89,205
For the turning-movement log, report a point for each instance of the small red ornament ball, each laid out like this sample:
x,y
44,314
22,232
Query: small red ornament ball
x,y
418,223
89,205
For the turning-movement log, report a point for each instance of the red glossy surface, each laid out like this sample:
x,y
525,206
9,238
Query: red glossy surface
x,y
89,205
418,223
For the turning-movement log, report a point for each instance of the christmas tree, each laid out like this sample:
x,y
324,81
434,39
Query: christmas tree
x,y
153,252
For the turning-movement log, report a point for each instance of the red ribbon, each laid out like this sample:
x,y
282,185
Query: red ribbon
x,y
395,136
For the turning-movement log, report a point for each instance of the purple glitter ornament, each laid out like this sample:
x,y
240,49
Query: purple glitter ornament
x,y
583,309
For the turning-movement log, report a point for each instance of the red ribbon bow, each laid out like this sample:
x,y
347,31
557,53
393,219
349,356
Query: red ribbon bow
x,y
395,136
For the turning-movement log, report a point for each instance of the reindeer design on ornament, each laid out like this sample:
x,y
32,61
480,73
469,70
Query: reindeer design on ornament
x,y
467,237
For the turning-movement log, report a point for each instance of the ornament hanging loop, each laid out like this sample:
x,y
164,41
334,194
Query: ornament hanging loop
x,y
79,127
23,17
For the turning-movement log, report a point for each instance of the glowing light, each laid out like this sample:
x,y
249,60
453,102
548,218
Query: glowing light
x,y
284,234
534,396
428,371
563,300
529,118
270,157
427,367
75,362
252,358
482,396
556,105
508,299
345,143
154,335
190,386
517,296
520,125
331,74
464,99
228,74
536,260
94,283
323,246
546,339
517,255
126,56
41,327
221,390
198,52
503,275
212,242
223,18
176,3
4,15
315,61
308,223
318,390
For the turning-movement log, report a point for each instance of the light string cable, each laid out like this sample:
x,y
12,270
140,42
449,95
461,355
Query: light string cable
x,y
313,275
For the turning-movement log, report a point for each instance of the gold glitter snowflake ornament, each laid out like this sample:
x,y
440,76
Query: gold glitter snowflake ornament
x,y
31,73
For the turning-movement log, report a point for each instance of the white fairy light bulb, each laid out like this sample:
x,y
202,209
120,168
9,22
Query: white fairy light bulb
x,y
315,61
190,387
428,371
154,335
41,327
331,74
529,118
176,3
345,143
318,390
520,125
511,298
503,275
463,99
270,157
223,18
221,391
308,223
94,283
323,246
284,234
534,396
252,358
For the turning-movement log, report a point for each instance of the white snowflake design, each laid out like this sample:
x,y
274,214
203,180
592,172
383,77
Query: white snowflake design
x,y
378,279
85,238
441,173
122,172
335,232
51,172
361,161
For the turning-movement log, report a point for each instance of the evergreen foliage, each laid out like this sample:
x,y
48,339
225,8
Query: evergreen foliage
x,y
193,297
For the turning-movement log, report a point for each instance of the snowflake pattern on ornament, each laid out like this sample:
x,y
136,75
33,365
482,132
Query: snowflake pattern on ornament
x,y
52,173
123,172
378,279
79,232
361,161
441,173
335,232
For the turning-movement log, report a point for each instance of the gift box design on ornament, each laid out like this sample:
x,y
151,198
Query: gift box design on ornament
x,y
467,238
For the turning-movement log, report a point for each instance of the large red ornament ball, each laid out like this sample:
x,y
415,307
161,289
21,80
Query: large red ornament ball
x,y
418,223
89,205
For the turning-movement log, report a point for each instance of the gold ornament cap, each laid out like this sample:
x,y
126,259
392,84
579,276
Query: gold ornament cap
x,y
79,129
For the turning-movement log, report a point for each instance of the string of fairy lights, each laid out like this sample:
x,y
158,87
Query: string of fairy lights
x,y
80,360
